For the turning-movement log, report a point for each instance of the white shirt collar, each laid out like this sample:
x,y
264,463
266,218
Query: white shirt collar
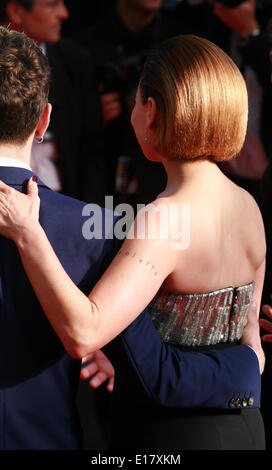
x,y
14,163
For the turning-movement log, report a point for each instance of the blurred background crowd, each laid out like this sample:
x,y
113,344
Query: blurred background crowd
x,y
96,50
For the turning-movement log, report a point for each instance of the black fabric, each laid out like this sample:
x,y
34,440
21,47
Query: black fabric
x,y
187,430
76,121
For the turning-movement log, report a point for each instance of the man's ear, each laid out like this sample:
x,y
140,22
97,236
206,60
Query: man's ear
x,y
43,122
151,111
14,13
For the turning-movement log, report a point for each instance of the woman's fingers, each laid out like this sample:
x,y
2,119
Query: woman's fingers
x,y
99,371
87,358
110,384
267,338
32,186
98,379
18,210
4,188
33,194
266,325
88,371
267,309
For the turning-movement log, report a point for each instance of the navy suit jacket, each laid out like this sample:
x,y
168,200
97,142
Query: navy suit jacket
x,y
39,380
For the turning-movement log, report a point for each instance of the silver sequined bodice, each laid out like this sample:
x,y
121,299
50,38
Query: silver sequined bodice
x,y
202,319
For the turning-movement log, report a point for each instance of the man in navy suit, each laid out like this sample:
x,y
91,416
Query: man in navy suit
x,y
38,379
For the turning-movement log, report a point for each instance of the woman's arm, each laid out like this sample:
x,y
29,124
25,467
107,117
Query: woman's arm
x,y
84,324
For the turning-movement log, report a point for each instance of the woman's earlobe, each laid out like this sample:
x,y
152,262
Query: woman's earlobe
x,y
151,110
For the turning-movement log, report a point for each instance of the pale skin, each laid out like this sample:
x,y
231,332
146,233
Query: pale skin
x,y
98,371
227,248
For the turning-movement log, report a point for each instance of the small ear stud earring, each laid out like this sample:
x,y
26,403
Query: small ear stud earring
x,y
39,141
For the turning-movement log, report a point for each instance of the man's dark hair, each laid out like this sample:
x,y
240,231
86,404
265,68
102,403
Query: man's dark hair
x,y
24,86
27,4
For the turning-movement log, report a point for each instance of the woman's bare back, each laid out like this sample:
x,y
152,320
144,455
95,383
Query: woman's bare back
x,y
227,241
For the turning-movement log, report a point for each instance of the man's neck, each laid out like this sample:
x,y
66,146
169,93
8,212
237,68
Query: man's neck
x,y
135,18
16,152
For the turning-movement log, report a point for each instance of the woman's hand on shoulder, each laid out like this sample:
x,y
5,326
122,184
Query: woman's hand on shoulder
x,y
267,324
19,213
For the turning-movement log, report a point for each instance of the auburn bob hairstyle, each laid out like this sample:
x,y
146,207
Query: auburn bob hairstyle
x,y
201,99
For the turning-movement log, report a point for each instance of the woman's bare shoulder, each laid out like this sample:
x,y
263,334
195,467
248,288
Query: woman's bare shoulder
x,y
252,224
250,206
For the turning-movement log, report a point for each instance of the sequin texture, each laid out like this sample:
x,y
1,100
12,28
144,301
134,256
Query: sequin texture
x,y
202,319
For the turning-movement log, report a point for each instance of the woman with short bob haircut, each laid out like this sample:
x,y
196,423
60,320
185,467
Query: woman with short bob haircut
x,y
198,271
201,98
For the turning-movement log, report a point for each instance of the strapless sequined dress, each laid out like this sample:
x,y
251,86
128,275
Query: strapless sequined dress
x,y
193,322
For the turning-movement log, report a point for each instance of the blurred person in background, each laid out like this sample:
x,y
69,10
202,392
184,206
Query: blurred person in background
x,y
119,44
250,50
68,160
78,18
